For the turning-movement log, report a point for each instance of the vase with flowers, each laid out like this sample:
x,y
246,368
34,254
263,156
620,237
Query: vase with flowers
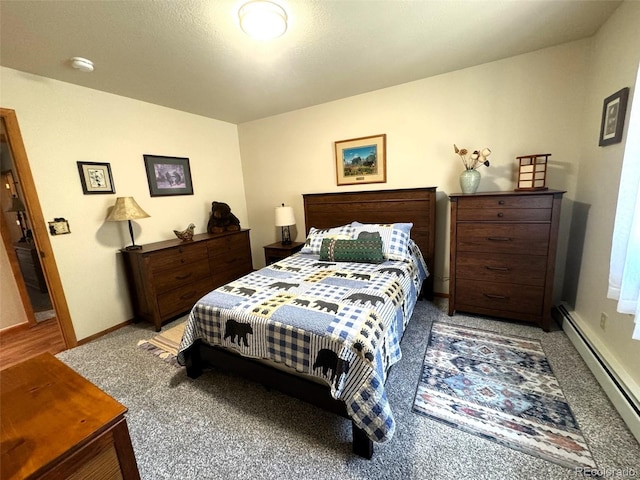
x,y
470,178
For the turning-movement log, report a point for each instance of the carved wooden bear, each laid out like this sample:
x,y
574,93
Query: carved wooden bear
x,y
221,219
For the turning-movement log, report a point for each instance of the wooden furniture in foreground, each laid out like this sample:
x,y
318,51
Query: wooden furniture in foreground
x,y
167,278
503,254
278,251
55,424
417,206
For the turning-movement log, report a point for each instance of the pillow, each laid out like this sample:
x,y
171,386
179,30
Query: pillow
x,y
360,251
314,239
395,238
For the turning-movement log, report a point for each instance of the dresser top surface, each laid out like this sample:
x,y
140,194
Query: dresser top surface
x,y
46,409
176,242
519,193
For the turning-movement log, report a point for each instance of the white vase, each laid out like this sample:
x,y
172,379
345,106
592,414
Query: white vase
x,y
469,181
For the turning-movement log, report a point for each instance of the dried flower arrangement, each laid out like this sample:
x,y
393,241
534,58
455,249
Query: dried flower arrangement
x,y
475,160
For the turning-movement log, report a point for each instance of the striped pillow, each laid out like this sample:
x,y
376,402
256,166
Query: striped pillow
x,y
314,239
359,251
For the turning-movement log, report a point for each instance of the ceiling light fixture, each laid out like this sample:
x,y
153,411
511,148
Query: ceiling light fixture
x,y
262,19
82,64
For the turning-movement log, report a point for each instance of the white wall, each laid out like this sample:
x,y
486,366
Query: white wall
x,y
613,65
523,105
62,124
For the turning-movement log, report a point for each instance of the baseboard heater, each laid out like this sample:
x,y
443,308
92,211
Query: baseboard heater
x,y
623,400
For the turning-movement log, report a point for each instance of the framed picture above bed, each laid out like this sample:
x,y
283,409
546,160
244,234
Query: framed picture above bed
x,y
361,160
168,175
613,113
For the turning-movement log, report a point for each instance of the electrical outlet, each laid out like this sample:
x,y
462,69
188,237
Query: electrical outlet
x,y
603,320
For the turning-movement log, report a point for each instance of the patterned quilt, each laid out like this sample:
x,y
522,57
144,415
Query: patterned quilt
x,y
339,321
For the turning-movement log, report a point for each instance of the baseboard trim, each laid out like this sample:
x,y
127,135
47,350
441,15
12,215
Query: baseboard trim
x,y
624,401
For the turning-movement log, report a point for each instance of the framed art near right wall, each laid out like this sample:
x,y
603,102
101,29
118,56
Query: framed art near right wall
x,y
613,113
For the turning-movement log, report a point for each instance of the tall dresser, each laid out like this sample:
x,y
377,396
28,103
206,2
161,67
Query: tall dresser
x,y
503,253
167,278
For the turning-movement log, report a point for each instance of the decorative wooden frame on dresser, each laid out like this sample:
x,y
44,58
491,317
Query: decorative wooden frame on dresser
x,y
324,210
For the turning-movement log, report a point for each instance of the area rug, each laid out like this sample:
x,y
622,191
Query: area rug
x,y
501,388
165,344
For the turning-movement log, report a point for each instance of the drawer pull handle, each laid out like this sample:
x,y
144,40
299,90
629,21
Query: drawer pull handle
x,y
186,296
500,214
499,239
500,202
495,297
497,269
183,277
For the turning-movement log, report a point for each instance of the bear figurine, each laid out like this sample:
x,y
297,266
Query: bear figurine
x,y
221,219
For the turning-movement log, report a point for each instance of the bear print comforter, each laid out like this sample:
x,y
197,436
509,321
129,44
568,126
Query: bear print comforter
x,y
339,321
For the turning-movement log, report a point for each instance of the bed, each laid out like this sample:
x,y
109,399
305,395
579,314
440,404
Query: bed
x,y
321,329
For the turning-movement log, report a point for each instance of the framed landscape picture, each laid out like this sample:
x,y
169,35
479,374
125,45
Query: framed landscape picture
x,y
361,160
168,175
613,113
95,178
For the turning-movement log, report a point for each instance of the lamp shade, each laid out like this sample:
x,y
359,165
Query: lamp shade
x,y
126,208
285,216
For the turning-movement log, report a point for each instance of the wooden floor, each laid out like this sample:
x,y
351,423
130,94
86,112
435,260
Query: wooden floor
x,y
20,344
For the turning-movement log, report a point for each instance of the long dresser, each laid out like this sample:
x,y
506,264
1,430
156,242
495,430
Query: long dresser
x,y
167,278
503,254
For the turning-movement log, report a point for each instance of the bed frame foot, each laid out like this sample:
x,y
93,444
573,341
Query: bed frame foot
x,y
362,445
193,361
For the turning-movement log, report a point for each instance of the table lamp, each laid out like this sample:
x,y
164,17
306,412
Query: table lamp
x,y
126,208
19,209
285,218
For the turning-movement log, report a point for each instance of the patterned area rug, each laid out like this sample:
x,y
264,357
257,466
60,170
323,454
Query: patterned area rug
x,y
500,388
165,344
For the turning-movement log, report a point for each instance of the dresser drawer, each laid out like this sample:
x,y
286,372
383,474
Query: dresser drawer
x,y
181,299
503,238
498,296
229,244
504,214
177,256
505,201
498,267
229,273
166,280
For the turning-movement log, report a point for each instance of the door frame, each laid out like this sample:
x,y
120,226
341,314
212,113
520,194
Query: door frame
x,y
38,225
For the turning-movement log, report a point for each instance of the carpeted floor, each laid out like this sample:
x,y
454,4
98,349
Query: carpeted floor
x,y
224,427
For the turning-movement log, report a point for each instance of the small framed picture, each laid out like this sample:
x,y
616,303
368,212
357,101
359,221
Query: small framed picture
x,y
95,178
168,175
361,160
613,113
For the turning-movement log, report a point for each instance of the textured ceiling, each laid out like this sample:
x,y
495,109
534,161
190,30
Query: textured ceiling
x,y
191,54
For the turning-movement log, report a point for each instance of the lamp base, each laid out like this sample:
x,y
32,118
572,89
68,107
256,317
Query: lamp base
x,y
133,247
286,236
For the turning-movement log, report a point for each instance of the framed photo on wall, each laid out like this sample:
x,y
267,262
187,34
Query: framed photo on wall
x,y
613,113
361,160
168,175
95,178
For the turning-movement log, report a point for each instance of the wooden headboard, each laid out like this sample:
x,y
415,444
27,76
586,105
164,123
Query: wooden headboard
x,y
415,205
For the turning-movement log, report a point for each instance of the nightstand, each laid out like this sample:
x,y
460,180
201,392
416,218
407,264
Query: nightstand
x,y
278,251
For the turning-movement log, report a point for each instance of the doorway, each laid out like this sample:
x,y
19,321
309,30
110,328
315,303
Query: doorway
x,y
26,239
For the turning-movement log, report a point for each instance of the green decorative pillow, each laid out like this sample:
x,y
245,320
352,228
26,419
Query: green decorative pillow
x,y
360,250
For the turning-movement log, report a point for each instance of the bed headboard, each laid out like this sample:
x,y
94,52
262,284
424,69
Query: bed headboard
x,y
415,205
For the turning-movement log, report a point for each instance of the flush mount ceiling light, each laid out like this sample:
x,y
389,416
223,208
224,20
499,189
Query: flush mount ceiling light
x,y
263,20
82,64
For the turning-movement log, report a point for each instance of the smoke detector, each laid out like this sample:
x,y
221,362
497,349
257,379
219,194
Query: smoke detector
x,y
82,64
